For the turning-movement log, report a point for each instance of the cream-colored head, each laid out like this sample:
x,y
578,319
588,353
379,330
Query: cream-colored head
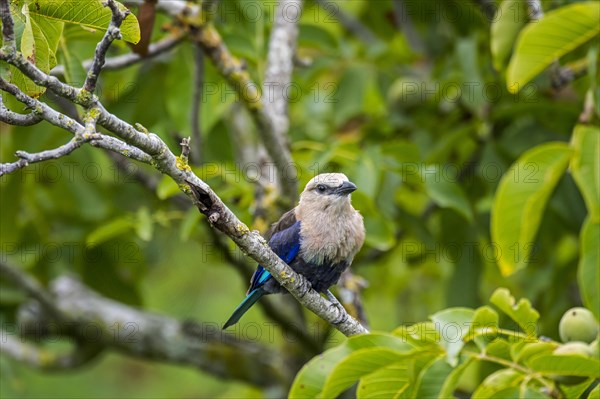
x,y
331,228
327,192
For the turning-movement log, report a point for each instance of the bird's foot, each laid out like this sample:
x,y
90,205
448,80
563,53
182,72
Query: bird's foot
x,y
342,314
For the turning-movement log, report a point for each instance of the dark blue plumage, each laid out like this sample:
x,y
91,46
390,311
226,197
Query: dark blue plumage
x,y
311,246
286,244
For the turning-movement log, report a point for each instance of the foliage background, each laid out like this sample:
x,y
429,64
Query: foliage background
x,y
425,127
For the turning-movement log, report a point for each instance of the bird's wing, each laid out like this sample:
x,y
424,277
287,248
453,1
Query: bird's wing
x,y
286,221
284,241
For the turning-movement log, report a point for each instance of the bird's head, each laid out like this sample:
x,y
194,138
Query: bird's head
x,y
327,191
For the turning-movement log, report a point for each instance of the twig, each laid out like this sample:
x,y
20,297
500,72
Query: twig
x,y
70,125
196,106
14,118
8,30
351,24
65,149
126,60
146,142
113,32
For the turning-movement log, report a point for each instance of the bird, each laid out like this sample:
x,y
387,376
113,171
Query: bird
x,y
318,239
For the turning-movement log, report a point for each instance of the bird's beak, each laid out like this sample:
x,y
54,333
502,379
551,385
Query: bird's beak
x,y
346,188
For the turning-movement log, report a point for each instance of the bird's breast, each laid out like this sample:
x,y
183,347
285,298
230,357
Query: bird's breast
x,y
328,240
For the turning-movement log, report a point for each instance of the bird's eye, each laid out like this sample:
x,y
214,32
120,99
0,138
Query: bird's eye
x,y
321,188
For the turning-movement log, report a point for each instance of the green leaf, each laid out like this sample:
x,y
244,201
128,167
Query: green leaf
x,y
585,166
74,72
38,39
528,350
510,18
90,14
447,193
430,382
312,35
499,348
453,325
109,230
522,313
453,378
595,394
576,365
588,271
310,380
349,98
483,326
542,42
381,232
387,382
520,202
360,363
498,382
419,334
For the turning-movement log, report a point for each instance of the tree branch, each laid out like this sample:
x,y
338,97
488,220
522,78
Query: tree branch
x,y
155,337
219,215
99,323
196,107
235,73
27,158
30,286
113,32
47,360
8,29
126,60
172,7
70,125
278,75
14,118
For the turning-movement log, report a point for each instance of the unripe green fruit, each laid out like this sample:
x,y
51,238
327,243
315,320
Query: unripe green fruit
x,y
571,348
578,324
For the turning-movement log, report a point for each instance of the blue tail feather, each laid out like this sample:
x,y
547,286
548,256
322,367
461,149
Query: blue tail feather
x,y
243,307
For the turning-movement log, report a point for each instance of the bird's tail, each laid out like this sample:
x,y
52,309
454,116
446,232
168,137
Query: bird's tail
x,y
244,306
